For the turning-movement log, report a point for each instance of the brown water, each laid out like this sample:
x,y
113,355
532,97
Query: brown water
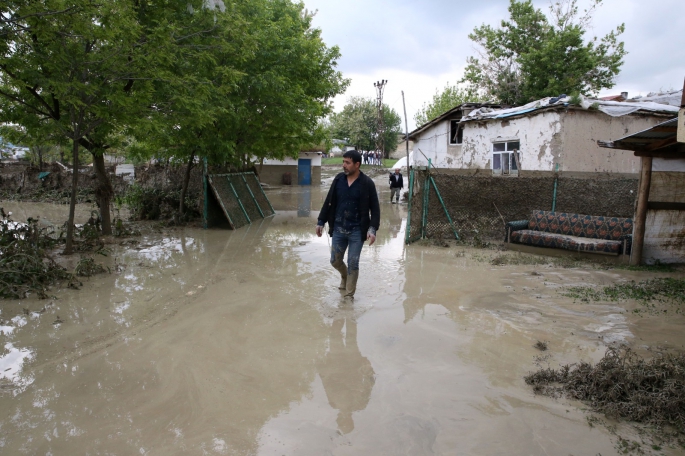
x,y
238,343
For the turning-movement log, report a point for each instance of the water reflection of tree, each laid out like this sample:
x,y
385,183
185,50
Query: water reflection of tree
x,y
347,376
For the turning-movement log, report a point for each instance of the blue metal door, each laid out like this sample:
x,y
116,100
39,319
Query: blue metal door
x,y
304,171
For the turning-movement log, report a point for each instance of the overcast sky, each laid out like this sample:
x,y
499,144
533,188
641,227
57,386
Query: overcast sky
x,y
419,46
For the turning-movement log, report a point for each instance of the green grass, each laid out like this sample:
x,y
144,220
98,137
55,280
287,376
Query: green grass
x,y
661,289
387,162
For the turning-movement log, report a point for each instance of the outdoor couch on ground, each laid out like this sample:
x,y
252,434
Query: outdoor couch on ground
x,y
575,232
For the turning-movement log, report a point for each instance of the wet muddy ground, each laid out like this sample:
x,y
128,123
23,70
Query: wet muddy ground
x,y
239,343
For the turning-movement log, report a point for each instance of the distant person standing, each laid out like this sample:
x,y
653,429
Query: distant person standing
x,y
353,214
366,157
396,186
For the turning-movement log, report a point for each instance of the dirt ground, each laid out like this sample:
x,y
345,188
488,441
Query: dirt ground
x,y
239,343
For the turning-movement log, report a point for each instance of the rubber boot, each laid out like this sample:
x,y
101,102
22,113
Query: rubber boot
x,y
351,284
339,264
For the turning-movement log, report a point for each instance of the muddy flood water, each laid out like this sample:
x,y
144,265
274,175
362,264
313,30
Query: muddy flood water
x,y
239,343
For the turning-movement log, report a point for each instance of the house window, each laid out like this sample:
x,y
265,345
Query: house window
x,y
456,132
506,158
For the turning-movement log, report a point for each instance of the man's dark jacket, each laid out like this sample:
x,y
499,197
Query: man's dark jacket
x,y
368,204
396,180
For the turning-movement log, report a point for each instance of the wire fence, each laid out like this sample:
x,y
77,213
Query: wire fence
x,y
476,208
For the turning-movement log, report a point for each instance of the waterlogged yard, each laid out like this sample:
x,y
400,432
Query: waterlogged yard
x,y
238,342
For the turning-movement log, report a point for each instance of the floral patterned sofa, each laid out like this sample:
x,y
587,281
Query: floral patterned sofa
x,y
576,232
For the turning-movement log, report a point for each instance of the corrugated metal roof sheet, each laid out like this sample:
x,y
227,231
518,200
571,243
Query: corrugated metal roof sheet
x,y
660,133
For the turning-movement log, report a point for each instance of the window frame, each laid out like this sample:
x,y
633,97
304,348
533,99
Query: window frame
x,y
509,158
459,134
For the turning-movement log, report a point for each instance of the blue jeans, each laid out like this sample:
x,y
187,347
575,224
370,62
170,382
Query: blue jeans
x,y
342,240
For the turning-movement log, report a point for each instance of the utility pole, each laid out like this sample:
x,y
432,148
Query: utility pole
x,y
380,127
406,129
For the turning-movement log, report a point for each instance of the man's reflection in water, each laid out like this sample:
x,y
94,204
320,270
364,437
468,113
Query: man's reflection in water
x,y
347,376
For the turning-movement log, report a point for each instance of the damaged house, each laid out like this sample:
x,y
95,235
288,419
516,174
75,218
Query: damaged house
x,y
545,136
494,164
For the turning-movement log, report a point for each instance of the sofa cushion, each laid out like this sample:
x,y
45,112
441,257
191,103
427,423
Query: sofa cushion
x,y
579,225
563,241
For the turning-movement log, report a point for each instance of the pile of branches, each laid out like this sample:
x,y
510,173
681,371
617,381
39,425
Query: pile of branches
x,y
623,385
150,203
25,262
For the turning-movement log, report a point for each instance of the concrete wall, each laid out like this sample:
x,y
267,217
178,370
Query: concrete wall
x,y
273,170
401,150
665,229
314,157
273,174
580,131
564,137
478,203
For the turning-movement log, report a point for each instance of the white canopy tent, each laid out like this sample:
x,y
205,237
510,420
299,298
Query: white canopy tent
x,y
402,162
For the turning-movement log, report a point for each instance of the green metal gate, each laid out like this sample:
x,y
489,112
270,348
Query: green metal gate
x,y
239,196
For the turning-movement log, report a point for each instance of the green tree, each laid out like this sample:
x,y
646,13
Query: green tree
x,y
288,84
77,75
201,71
357,124
450,97
532,56
256,85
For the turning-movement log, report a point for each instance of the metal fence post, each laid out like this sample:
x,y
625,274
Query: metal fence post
x,y
407,232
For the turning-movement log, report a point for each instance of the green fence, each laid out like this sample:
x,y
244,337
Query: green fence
x,y
421,221
240,198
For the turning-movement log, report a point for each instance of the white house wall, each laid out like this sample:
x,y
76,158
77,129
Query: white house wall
x,y
316,160
433,144
539,137
580,131
567,138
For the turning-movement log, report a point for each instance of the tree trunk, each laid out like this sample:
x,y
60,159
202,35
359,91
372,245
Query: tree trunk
x,y
104,192
261,167
184,188
69,248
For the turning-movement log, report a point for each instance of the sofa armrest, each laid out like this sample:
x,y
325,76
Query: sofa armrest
x,y
517,225
514,226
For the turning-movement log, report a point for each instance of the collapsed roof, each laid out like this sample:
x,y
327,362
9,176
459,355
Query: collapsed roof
x,y
611,108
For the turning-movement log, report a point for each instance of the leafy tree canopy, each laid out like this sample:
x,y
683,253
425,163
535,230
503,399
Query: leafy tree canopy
x,y
357,124
450,97
531,55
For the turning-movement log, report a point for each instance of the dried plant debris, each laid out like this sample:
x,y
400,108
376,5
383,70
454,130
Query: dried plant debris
x,y
87,267
541,345
622,385
26,262
26,265
664,289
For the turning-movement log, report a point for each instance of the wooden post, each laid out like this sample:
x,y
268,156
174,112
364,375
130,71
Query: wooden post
x,y
641,212
406,127
680,134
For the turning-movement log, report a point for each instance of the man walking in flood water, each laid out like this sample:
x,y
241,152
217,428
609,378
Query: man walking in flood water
x,y
353,214
396,186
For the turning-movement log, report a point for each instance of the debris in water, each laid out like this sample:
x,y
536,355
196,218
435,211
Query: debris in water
x,y
623,385
25,258
540,345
